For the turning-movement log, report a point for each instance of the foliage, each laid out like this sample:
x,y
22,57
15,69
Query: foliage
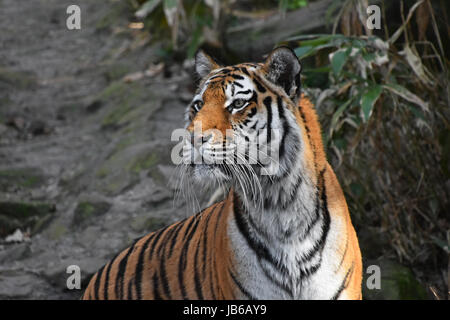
x,y
385,119
190,23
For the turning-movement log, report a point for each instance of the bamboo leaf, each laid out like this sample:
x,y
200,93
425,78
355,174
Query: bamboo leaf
x,y
406,94
416,64
338,113
147,8
338,60
368,100
301,52
170,11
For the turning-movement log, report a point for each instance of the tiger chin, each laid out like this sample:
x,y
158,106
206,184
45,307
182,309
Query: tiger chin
x,y
284,229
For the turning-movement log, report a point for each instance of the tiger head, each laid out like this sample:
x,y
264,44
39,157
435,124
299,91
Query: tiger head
x,y
243,120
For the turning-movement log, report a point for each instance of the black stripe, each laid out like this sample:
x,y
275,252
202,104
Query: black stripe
x,y
282,286
237,77
108,270
293,194
213,252
267,102
285,126
308,133
345,252
156,293
97,283
155,242
344,283
241,288
257,246
183,259
174,238
244,92
205,238
140,266
198,287
216,76
315,220
244,70
254,65
307,272
120,274
254,98
163,275
259,86
130,290
318,246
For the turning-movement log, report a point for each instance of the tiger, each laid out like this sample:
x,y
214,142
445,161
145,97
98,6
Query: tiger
x,y
283,235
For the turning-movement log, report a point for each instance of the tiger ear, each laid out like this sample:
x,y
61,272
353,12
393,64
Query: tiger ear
x,y
204,64
283,69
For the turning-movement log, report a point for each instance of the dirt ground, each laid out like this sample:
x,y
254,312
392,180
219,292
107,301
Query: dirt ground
x,y
84,157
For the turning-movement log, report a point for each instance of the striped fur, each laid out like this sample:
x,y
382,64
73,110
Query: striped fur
x,y
285,236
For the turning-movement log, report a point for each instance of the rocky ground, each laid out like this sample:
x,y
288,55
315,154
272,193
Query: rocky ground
x,y
84,156
85,163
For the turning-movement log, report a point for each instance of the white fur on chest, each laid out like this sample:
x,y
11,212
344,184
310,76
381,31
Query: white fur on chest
x,y
252,271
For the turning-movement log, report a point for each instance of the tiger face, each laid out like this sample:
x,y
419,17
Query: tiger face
x,y
242,120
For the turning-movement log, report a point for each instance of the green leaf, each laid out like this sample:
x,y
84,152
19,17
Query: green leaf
x,y
170,11
197,39
338,113
147,8
316,38
169,4
338,60
368,100
369,57
302,51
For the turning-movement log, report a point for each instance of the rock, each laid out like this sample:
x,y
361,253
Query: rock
x,y
148,223
15,252
16,286
14,178
17,79
21,215
397,283
17,236
39,127
86,210
116,71
3,129
56,230
94,106
17,122
123,168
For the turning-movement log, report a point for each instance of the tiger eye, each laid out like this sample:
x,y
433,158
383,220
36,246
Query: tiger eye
x,y
198,105
238,103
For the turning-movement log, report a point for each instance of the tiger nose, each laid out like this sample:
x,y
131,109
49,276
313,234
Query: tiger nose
x,y
197,140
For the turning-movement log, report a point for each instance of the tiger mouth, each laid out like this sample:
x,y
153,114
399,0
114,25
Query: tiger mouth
x,y
211,171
